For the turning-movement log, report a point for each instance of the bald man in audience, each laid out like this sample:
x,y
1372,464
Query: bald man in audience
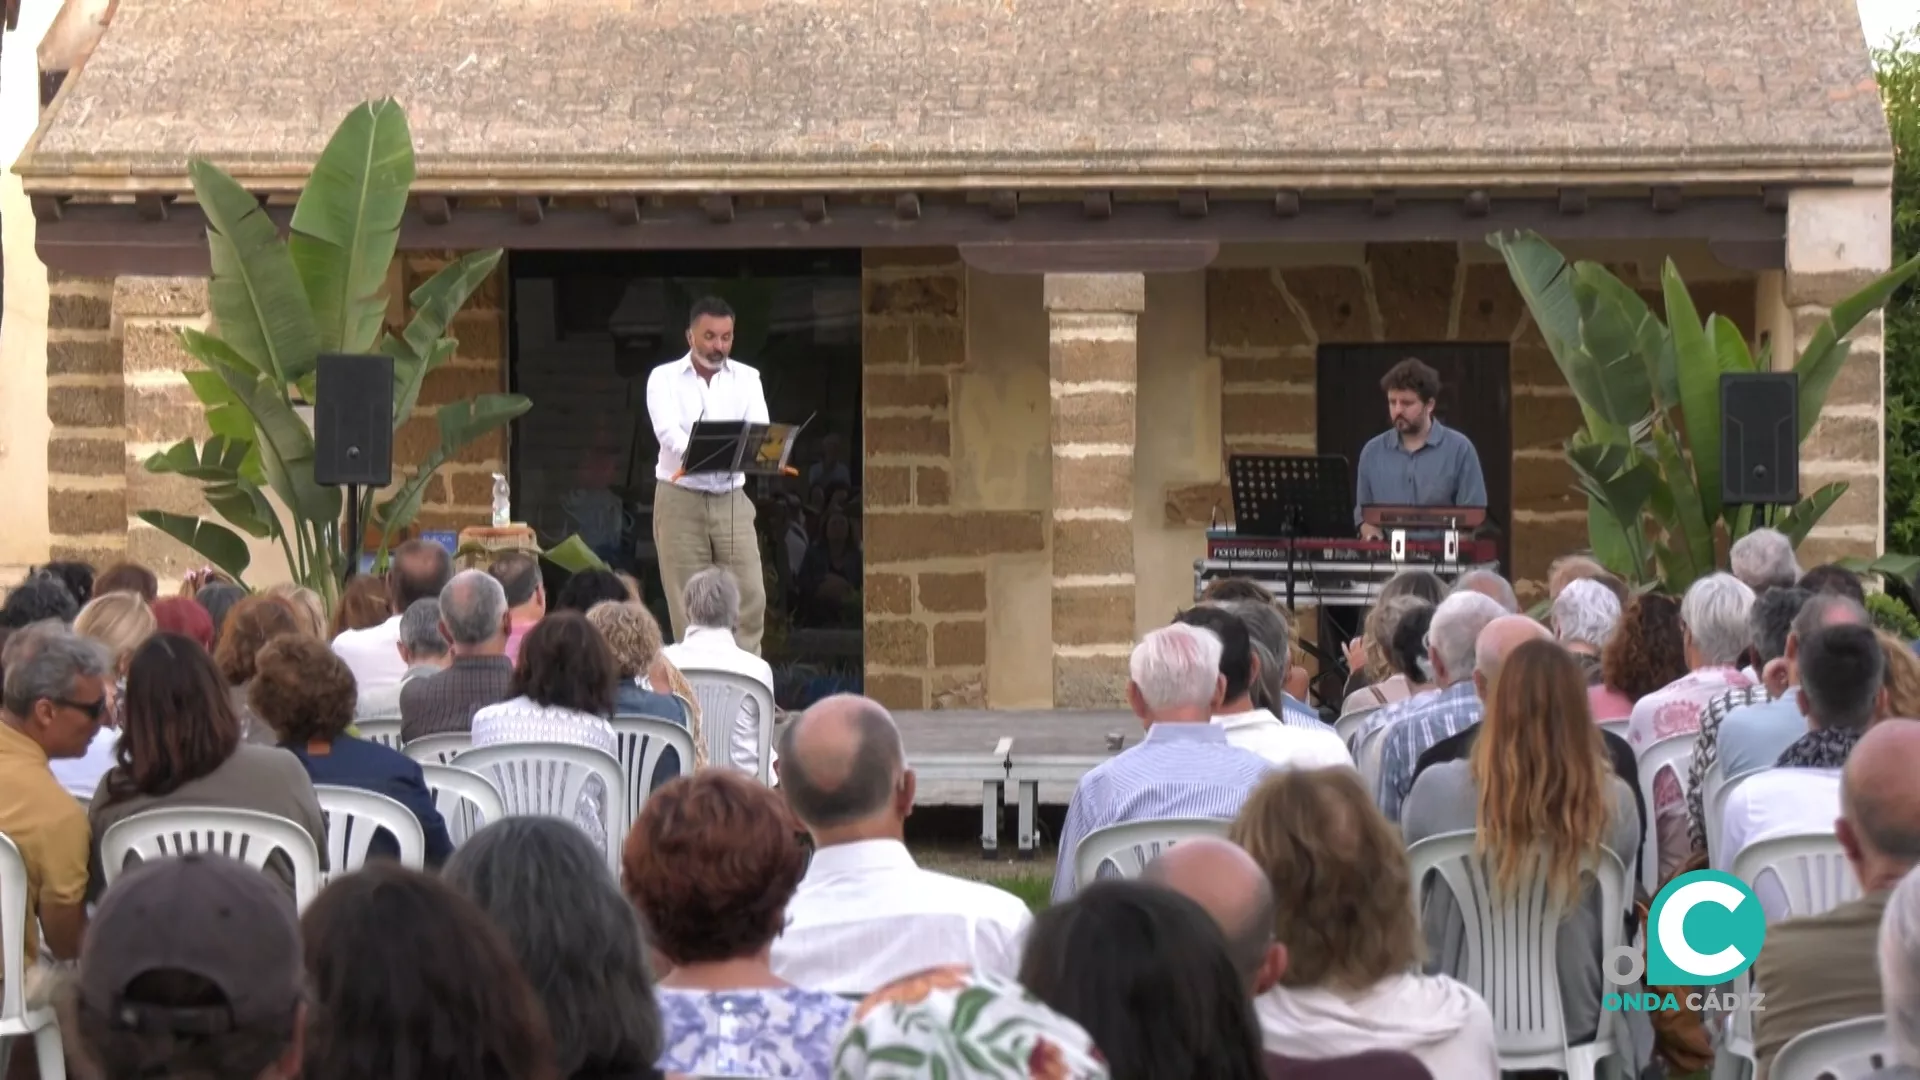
x,y
1225,881
865,914
1824,968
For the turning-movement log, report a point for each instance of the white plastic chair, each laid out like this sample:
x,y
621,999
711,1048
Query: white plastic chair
x,y
1350,724
1614,727
467,801
438,749
723,695
643,741
1848,1050
537,778
1715,786
1674,752
15,1018
1511,957
355,816
384,730
1130,846
247,835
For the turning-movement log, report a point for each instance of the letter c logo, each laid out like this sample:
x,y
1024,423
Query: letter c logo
x,y
1672,928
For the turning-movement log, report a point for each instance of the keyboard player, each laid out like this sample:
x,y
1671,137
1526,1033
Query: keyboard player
x,y
1419,461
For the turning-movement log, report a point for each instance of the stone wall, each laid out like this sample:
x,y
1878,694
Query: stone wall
x,y
86,405
462,493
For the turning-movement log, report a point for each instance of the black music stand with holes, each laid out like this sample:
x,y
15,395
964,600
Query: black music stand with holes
x,y
1292,497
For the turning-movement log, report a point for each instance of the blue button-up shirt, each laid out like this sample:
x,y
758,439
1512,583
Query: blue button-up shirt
x,y
1755,737
1445,471
1178,770
1420,726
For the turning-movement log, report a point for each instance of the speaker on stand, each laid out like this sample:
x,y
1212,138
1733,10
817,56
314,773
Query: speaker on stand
x,y
1760,440
353,433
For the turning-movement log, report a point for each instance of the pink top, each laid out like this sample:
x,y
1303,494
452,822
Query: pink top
x,y
1608,704
515,635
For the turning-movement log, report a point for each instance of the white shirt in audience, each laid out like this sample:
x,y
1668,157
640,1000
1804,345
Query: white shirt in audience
x,y
81,775
1260,732
714,649
865,915
1777,802
373,655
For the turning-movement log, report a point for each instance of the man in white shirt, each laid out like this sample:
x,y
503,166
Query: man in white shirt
x,y
1258,730
705,519
420,569
865,914
712,605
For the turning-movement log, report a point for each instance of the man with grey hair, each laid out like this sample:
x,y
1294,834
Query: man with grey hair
x,y
1763,559
1584,617
1899,950
422,647
712,605
1416,724
1185,767
1273,656
475,623
865,914
1713,624
1490,585
53,700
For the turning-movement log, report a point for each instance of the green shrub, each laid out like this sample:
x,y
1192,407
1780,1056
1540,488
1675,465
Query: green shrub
x,y
1894,617
1899,69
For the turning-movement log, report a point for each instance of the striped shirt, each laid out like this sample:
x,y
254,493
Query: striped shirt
x,y
1178,770
1706,750
1296,713
1422,722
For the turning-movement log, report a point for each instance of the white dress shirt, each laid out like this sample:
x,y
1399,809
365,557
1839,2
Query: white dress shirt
x,y
373,655
1776,802
677,396
866,915
1285,745
713,648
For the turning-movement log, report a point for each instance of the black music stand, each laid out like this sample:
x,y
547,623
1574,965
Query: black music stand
x,y
1290,497
738,446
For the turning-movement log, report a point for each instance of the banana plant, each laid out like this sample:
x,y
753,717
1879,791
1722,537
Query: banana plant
x,y
277,306
1648,455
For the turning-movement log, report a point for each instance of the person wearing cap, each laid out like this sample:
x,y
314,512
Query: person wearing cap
x,y
192,967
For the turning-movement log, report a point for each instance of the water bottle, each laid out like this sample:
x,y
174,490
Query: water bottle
x,y
502,512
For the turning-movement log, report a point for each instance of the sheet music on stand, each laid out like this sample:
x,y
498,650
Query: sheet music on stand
x,y
739,446
1275,495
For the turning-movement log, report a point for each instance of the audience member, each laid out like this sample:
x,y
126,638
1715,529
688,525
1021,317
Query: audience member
x,y
1273,667
473,619
1763,559
562,692
1821,969
1899,954
422,648
865,914
1838,580
519,576
712,604
75,575
1902,679
578,942
308,609
712,865
590,587
52,704
1147,972
250,625
1008,1034
121,622
37,599
127,577
1490,585
1567,569
183,615
219,599
1713,622
1342,890
1186,766
1752,737
1540,791
1387,681
1417,724
192,969
1770,624
633,635
409,978
1648,652
180,745
1226,589
1257,730
1585,615
419,569
362,606
305,693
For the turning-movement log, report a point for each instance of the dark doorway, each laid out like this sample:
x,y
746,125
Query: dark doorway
x,y
1474,399
588,328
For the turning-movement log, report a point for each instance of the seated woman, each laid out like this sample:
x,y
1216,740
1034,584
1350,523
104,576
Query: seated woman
x,y
633,635
249,626
578,942
306,694
1647,651
122,622
1396,681
1341,890
180,746
1539,789
711,865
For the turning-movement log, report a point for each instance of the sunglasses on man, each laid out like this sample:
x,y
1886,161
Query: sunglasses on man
x,y
94,709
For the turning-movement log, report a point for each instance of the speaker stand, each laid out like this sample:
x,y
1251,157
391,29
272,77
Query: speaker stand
x,y
353,536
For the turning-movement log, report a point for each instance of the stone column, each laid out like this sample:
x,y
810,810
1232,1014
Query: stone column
x,y
86,474
161,409
1093,345
1839,240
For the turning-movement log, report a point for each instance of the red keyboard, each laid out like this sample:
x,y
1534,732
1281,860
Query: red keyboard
x,y
1224,546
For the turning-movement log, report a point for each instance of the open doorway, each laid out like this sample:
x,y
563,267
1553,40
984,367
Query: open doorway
x,y
587,329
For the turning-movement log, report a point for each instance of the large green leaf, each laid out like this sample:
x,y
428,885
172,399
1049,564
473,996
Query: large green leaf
x,y
460,423
218,461
423,346
1609,540
1618,482
1698,371
255,293
573,555
1902,567
346,225
1825,353
1620,341
1545,282
220,545
220,466
286,443
1678,510
1799,521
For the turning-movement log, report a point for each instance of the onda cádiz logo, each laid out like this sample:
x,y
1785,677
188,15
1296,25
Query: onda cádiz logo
x,y
1704,929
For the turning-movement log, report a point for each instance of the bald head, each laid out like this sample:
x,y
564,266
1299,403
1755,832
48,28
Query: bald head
x,y
1880,802
1496,642
841,762
1223,879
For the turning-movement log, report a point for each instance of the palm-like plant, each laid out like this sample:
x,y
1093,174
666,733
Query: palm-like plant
x,y
277,306
1648,456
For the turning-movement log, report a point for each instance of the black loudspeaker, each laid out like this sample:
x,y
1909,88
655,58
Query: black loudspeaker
x,y
353,420
1760,438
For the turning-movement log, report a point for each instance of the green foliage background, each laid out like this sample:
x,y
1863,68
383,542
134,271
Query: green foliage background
x,y
1899,69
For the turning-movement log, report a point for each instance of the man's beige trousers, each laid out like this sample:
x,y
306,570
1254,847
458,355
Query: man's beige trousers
x,y
693,530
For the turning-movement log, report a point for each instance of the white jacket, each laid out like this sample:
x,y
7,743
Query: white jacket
x,y
1436,1019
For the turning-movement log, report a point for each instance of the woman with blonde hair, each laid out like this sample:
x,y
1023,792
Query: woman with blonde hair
x,y
634,636
1341,890
1902,678
1539,791
307,605
363,604
122,622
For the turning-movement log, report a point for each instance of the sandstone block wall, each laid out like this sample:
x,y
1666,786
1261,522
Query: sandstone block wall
x,y
86,403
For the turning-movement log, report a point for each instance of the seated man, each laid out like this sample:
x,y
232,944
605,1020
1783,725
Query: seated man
x,y
1752,738
865,914
1900,979
713,617
423,648
1822,969
1453,636
1185,767
1255,729
420,569
473,619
